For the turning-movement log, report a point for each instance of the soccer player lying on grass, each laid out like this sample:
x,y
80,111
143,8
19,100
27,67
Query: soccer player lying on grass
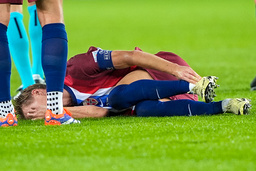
x,y
100,80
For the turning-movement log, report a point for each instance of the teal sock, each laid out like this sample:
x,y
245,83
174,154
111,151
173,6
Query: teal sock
x,y
19,48
35,34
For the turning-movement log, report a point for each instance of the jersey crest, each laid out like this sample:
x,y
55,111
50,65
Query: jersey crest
x,y
90,101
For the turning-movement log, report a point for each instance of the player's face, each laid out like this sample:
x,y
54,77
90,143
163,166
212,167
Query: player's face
x,y
36,109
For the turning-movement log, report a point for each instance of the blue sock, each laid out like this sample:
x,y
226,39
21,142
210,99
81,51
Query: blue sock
x,y
177,108
54,55
125,96
35,34
5,65
19,48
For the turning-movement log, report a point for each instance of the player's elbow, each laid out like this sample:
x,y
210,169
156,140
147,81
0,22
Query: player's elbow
x,y
124,59
130,57
102,113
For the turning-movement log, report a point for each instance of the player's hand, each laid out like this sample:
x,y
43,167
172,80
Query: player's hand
x,y
34,115
187,74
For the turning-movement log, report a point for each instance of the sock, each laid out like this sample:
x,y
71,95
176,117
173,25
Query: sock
x,y
54,59
19,48
35,34
5,73
177,108
5,65
191,86
125,96
53,102
224,104
6,107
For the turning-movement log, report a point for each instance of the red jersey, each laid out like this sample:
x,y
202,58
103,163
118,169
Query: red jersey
x,y
90,85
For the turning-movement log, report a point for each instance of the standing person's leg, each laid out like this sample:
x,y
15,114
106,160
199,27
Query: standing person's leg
x,y
19,45
35,34
54,57
7,116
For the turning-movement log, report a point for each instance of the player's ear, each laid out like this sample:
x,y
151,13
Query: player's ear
x,y
38,92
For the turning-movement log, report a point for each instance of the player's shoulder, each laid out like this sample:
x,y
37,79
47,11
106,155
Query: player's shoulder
x,y
87,54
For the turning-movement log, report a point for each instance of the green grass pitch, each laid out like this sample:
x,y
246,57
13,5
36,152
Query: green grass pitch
x,y
214,37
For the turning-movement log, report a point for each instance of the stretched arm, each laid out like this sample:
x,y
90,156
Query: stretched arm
x,y
124,59
87,112
92,112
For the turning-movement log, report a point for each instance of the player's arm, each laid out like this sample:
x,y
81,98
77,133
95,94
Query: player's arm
x,y
77,112
124,59
92,112
87,112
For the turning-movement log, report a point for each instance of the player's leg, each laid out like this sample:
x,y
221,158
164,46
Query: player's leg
x,y
7,116
177,108
50,11
35,34
19,45
125,96
189,107
54,56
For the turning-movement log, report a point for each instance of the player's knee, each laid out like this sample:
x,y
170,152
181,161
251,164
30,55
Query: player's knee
x,y
142,109
5,17
49,12
116,97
